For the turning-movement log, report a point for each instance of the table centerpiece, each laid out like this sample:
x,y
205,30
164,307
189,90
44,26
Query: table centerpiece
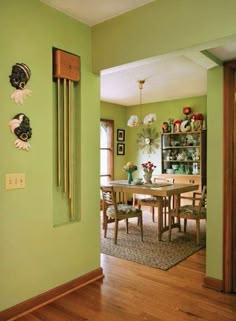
x,y
130,168
148,169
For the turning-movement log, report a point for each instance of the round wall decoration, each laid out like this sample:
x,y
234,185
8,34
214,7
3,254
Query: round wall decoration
x,y
148,140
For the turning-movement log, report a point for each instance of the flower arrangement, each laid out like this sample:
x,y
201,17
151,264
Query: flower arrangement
x,y
148,167
130,168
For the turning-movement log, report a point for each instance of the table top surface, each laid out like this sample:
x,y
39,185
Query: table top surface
x,y
158,189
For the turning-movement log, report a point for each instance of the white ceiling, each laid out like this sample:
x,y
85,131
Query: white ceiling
x,y
92,12
165,79
173,76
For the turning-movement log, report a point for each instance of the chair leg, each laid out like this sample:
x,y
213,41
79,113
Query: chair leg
x,y
185,225
197,232
141,226
153,214
116,231
105,227
127,226
139,207
170,203
138,221
169,223
179,223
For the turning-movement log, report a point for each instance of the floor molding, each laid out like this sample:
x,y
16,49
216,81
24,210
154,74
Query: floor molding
x,y
34,303
213,284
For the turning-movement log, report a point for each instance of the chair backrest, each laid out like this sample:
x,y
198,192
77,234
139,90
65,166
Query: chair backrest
x,y
170,180
109,197
202,200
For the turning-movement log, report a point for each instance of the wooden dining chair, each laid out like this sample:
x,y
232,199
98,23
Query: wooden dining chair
x,y
114,212
197,211
153,202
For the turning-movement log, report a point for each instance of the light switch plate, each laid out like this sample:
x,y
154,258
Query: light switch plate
x,y
15,181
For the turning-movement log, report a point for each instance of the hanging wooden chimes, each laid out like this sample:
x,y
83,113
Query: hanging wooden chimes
x,y
66,71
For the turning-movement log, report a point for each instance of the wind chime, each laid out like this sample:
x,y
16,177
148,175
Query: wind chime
x,y
66,71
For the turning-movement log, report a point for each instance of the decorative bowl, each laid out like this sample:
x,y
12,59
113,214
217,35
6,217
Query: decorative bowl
x,y
175,166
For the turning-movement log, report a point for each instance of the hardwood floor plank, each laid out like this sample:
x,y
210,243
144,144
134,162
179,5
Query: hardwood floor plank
x,y
134,292
30,317
50,311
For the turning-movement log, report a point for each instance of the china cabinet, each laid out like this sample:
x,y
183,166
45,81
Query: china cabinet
x,y
183,157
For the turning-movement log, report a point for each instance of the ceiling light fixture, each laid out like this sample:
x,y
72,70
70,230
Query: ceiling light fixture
x,y
148,119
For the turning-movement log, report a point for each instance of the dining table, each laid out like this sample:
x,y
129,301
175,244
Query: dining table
x,y
159,190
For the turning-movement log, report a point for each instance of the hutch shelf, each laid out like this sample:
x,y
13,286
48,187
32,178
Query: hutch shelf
x,y
183,157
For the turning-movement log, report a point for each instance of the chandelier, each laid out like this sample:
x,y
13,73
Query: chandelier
x,y
148,119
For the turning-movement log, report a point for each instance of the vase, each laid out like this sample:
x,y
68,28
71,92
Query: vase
x,y
147,177
130,177
177,128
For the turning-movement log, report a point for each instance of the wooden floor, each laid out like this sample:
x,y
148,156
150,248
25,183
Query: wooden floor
x,y
133,292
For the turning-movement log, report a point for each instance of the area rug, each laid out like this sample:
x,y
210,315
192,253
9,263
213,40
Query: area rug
x,y
158,254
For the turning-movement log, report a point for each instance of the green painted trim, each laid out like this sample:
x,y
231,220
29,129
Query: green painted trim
x,y
212,57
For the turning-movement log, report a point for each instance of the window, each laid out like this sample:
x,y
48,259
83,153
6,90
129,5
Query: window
x,y
106,150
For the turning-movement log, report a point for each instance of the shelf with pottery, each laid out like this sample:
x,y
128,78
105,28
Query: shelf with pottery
x,y
183,149
183,153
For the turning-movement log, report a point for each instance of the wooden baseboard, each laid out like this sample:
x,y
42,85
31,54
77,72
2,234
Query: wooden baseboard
x,y
213,284
34,303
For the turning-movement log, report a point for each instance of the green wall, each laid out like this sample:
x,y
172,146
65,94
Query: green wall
x,y
36,256
118,114
215,173
33,251
162,27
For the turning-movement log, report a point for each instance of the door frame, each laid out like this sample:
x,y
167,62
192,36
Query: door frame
x,y
229,180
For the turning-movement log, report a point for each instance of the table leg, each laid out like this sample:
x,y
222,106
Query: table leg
x,y
160,218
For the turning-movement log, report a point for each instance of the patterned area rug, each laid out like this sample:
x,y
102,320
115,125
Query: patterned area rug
x,y
162,255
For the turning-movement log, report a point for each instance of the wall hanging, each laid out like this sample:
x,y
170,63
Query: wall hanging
x,y
120,149
66,71
20,126
120,135
148,140
19,77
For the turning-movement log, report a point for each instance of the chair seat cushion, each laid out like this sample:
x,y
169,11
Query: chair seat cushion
x,y
192,210
122,208
153,200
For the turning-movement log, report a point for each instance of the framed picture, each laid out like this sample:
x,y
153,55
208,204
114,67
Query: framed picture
x,y
120,135
120,149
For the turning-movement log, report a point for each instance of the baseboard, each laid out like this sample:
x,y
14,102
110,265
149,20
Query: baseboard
x,y
213,284
34,303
